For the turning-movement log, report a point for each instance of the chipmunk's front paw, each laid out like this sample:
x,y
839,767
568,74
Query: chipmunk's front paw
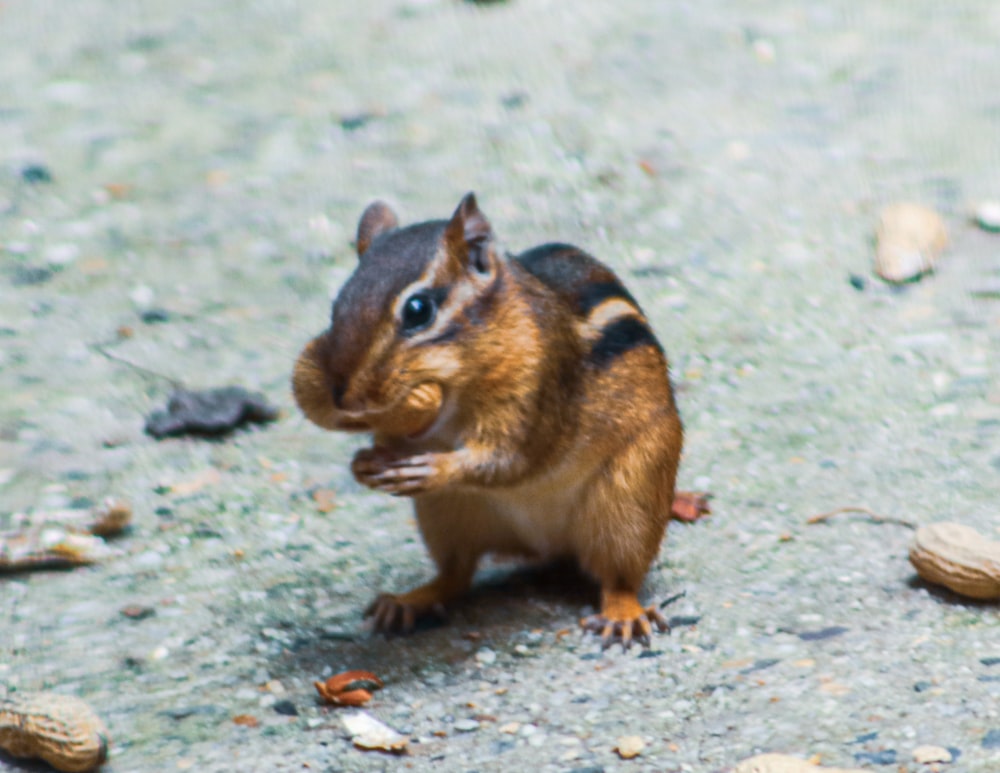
x,y
383,470
622,620
398,613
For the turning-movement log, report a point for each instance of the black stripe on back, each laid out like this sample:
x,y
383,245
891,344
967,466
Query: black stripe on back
x,y
592,295
622,335
577,278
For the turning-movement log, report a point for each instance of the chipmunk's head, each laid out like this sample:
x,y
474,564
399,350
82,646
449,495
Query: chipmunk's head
x,y
400,322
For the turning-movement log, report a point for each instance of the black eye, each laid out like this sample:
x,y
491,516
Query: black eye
x,y
418,311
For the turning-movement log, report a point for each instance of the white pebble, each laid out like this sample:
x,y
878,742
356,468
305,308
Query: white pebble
x,y
486,656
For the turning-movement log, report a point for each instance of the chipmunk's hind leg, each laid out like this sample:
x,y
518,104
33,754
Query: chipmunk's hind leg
x,y
399,612
626,511
456,530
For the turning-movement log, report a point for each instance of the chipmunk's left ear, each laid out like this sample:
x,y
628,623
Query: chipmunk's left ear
x,y
377,218
468,235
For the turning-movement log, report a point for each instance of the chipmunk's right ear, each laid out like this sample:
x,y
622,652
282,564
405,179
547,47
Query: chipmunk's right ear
x,y
376,220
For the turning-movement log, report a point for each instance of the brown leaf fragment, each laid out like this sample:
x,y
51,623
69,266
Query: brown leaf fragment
x,y
325,499
137,612
246,720
110,518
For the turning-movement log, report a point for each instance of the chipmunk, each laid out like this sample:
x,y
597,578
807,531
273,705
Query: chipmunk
x,y
523,402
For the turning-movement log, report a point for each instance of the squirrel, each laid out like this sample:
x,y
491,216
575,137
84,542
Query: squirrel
x,y
545,420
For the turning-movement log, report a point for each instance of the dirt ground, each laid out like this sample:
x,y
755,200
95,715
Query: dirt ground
x,y
179,186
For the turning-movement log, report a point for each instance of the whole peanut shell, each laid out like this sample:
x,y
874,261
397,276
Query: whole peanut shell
x,y
59,729
415,414
782,763
958,557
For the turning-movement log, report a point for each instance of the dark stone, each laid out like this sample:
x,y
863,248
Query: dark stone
x,y
356,121
866,737
137,612
25,276
823,633
514,100
286,708
857,282
647,653
760,665
991,661
183,712
36,173
679,621
884,757
155,316
210,413
992,739
588,769
922,686
499,747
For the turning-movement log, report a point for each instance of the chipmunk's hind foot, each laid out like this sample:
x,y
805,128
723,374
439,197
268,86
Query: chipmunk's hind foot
x,y
622,620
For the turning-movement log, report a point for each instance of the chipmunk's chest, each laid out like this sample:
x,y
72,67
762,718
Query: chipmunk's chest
x,y
543,512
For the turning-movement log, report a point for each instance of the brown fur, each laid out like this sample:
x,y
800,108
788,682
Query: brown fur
x,y
557,436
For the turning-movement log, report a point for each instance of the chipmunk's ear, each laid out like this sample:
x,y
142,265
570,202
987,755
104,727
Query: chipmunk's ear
x,y
468,235
376,219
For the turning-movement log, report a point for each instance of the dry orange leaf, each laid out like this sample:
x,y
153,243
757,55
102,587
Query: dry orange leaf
x,y
349,688
208,477
246,720
325,499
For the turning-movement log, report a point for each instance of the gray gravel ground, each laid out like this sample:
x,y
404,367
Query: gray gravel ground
x,y
209,160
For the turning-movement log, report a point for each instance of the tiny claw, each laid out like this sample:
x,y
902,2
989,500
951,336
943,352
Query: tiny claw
x,y
409,618
607,636
657,617
625,635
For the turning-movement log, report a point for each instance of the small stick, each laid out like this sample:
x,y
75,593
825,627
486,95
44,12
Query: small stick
x,y
864,510
102,348
668,601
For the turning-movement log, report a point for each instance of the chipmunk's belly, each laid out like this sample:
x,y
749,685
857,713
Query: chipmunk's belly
x,y
542,514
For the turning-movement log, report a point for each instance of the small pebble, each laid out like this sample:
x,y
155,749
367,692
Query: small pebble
x,y
26,276
285,708
142,296
909,240
823,633
987,216
926,754
154,315
62,254
36,173
884,757
486,656
630,746
992,739
466,725
137,612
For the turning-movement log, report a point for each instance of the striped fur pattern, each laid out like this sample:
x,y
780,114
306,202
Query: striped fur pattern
x,y
557,435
